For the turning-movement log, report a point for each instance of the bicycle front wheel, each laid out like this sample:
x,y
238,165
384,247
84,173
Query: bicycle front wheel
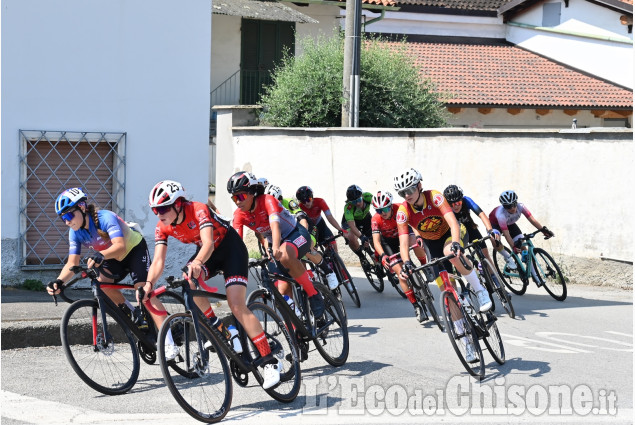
x,y
490,272
428,298
369,268
394,281
513,279
332,333
550,273
462,334
283,348
493,340
205,391
345,279
108,361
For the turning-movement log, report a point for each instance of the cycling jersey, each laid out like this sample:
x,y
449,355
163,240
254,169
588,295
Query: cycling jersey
x,y
386,228
196,216
502,219
294,208
464,216
429,223
351,212
314,214
110,223
266,209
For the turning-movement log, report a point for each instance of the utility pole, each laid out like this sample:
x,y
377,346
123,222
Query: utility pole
x,y
352,48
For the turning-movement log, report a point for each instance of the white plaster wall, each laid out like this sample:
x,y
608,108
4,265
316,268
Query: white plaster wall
x,y
225,50
327,17
140,67
607,59
565,177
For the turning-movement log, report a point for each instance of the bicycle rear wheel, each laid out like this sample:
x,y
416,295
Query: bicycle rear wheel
x,y
428,298
205,392
549,272
345,279
107,363
332,333
461,332
394,281
513,279
283,348
369,268
488,271
493,341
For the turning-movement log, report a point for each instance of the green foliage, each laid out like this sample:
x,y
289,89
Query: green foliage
x,y
254,254
307,90
33,285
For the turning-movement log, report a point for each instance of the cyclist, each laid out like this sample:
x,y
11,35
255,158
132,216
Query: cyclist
x,y
315,257
289,241
504,218
119,249
218,247
461,206
386,242
431,217
357,219
314,207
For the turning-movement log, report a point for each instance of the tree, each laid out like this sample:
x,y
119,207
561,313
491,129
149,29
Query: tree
x,y
307,90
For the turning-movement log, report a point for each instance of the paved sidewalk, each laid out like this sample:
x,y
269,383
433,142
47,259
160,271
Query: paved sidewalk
x,y
31,319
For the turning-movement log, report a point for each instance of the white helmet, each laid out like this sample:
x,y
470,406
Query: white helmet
x,y
508,197
407,179
262,181
274,191
165,193
382,200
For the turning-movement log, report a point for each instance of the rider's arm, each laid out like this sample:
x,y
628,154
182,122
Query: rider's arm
x,y
508,238
332,220
377,244
66,273
353,228
275,236
535,222
157,266
455,229
116,250
485,220
207,247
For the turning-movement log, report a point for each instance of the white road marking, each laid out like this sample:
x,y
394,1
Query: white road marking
x,y
550,336
520,341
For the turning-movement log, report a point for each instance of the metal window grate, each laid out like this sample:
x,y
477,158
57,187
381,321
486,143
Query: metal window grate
x,y
51,161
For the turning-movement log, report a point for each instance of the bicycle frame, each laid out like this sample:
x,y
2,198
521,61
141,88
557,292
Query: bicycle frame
x,y
525,268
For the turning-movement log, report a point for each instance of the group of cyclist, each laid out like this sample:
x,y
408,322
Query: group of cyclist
x,y
288,229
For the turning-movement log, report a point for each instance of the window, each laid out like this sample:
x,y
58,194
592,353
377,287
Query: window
x,y
551,14
51,161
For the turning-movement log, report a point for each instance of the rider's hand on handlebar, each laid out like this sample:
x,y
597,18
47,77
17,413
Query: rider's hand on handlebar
x,y
277,253
407,269
384,260
495,234
54,287
364,240
456,248
548,233
94,260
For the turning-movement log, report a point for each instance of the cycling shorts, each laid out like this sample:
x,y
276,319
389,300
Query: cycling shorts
x,y
230,258
363,225
323,231
137,263
514,230
435,246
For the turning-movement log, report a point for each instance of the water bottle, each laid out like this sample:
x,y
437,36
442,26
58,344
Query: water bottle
x,y
523,255
291,303
238,347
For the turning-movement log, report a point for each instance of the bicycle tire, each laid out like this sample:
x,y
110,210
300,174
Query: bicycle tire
x,y
278,335
321,279
493,340
501,293
111,368
332,341
394,281
549,271
346,279
428,298
206,392
513,279
459,340
368,267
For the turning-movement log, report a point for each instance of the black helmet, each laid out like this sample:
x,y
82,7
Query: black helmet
x,y
242,181
453,193
353,192
304,194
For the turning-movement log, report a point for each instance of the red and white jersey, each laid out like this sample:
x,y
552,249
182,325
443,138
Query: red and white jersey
x,y
197,216
502,219
387,228
314,214
428,223
267,209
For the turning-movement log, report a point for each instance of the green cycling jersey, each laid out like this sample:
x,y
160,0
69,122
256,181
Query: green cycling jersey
x,y
351,212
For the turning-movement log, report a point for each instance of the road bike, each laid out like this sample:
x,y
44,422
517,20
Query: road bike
x,y
372,267
102,342
489,275
534,263
205,392
345,279
328,333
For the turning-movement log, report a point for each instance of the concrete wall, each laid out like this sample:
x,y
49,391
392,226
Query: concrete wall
x,y
572,180
140,67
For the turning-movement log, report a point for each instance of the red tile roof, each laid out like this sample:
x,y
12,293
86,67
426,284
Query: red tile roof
x,y
505,75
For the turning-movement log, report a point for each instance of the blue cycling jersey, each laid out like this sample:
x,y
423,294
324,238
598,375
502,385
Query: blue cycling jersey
x,y
110,223
464,217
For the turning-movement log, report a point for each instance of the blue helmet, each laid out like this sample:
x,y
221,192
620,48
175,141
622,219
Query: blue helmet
x,y
68,199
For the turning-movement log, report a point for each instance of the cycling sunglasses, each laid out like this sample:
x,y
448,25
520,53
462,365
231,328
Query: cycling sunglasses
x,y
68,216
407,191
510,206
239,197
383,210
307,200
357,201
161,210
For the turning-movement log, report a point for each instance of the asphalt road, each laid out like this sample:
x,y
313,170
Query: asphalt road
x,y
568,362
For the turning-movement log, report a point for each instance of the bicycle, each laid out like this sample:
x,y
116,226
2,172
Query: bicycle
x,y
206,391
101,342
487,272
328,333
337,265
466,325
537,264
373,269
317,276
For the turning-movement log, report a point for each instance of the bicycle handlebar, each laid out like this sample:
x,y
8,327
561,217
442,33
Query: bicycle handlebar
x,y
533,234
84,272
331,239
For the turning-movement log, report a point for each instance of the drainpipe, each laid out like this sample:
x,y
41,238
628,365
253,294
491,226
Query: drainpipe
x,y
574,33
